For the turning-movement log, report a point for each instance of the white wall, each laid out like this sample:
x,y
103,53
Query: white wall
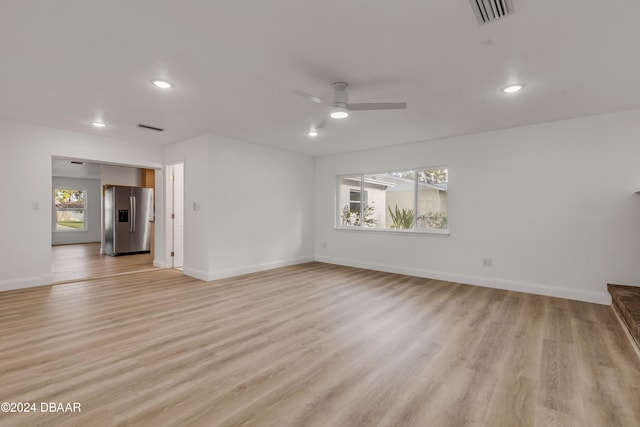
x,y
93,209
260,207
121,175
552,205
194,154
26,152
253,206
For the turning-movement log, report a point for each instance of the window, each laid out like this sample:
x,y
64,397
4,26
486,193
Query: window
x,y
350,201
355,198
70,209
408,200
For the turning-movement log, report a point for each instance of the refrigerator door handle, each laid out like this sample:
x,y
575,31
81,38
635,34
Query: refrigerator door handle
x,y
133,223
130,214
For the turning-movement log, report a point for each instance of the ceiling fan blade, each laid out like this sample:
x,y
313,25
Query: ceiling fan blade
x,y
321,124
377,106
310,97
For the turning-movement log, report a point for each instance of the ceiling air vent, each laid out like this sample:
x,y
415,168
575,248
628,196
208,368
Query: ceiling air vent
x,y
140,125
491,10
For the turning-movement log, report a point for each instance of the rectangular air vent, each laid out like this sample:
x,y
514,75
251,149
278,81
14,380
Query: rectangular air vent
x,y
491,10
140,125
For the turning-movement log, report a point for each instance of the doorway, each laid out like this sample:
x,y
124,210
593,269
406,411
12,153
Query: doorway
x,y
176,214
77,219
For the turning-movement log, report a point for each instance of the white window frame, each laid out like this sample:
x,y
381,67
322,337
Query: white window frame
x,y
412,231
84,210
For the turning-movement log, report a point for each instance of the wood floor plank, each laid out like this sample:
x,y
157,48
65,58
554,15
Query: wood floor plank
x,y
312,345
84,261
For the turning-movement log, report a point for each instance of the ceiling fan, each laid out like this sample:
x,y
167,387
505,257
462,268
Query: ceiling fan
x,y
340,107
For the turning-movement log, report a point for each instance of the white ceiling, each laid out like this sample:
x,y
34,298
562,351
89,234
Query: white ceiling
x,y
235,65
62,167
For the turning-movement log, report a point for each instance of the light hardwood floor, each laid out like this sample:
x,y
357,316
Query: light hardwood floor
x,y
83,261
312,345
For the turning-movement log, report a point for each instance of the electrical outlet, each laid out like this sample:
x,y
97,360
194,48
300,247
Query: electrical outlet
x,y
324,245
35,205
487,262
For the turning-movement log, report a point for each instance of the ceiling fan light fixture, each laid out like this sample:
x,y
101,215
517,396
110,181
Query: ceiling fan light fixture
x,y
162,84
513,88
312,133
338,112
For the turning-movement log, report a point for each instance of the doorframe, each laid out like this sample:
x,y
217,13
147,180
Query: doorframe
x,y
170,210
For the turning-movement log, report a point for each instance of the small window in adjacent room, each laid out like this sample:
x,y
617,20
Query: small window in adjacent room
x,y
70,209
349,201
403,200
356,199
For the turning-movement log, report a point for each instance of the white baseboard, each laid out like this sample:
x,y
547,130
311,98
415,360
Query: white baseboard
x,y
238,271
488,282
198,274
26,282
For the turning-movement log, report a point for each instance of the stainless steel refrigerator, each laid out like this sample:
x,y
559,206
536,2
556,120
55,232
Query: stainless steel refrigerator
x,y
127,213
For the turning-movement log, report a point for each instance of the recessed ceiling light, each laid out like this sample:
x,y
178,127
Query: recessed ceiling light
x,y
312,132
98,124
162,84
513,88
339,112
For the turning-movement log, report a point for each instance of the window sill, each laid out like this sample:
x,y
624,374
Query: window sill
x,y
442,233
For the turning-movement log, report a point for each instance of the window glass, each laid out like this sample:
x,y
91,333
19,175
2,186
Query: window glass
x,y
70,209
400,200
413,200
349,201
432,199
